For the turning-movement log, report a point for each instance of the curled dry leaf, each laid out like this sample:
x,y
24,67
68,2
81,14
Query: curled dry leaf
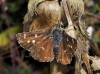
x,y
41,15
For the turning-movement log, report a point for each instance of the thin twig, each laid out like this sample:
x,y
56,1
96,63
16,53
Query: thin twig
x,y
94,15
12,51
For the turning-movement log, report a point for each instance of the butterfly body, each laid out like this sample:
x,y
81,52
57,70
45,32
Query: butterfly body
x,y
56,40
45,45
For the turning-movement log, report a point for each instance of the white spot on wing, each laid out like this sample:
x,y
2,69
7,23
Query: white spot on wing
x,y
43,48
24,36
20,41
38,42
65,51
67,39
35,35
68,45
72,40
71,46
28,41
33,41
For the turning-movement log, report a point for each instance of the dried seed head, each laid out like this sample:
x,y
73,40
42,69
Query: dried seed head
x,y
76,7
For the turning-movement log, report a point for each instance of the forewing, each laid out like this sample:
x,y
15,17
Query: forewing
x,y
70,41
39,44
66,49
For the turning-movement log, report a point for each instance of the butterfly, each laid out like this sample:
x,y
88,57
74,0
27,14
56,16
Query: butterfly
x,y
46,45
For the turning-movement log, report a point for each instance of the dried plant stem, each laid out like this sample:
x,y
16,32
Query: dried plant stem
x,y
67,12
78,54
4,13
56,68
19,60
1,65
94,15
12,44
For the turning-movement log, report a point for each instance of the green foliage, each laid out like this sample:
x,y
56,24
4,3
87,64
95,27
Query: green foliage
x,y
94,9
7,71
4,36
85,1
96,39
14,6
19,70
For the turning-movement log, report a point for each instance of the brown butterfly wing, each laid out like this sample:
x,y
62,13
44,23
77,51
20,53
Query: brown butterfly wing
x,y
66,49
39,44
71,42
